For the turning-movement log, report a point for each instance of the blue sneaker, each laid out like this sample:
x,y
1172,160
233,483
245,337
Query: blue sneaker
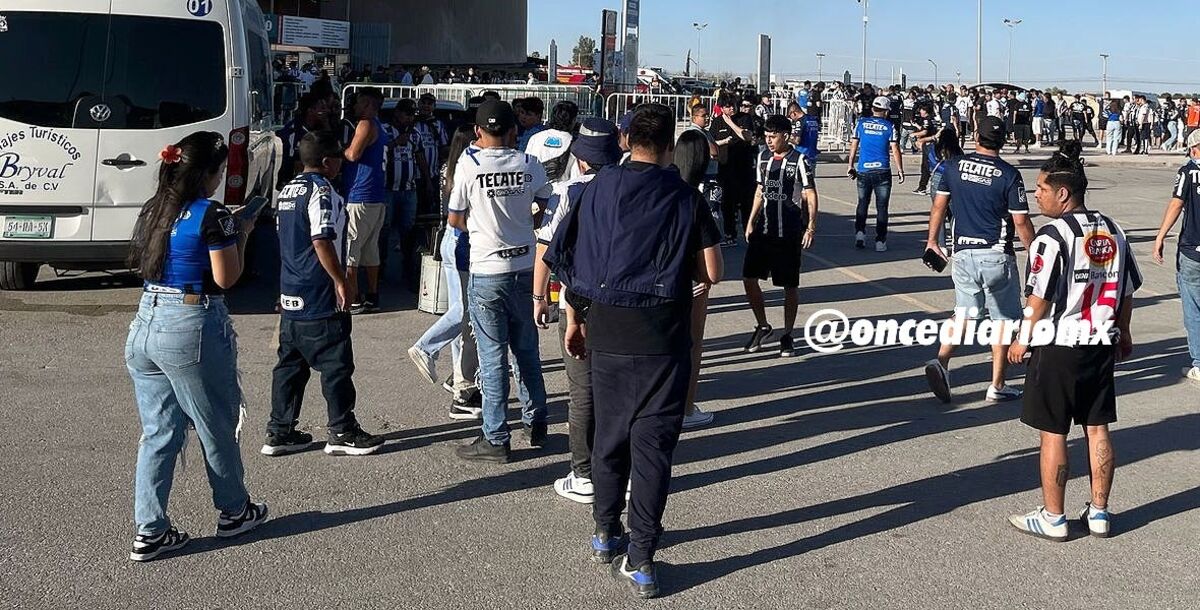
x,y
643,580
1037,524
606,546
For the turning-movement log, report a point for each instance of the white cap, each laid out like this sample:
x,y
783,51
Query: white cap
x,y
1193,139
882,103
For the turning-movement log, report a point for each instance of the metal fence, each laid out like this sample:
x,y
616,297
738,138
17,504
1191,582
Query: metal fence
x,y
590,104
837,124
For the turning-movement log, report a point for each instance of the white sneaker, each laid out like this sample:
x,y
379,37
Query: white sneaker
x,y
1036,524
1097,523
697,419
576,489
426,365
860,240
939,380
1004,394
1192,373
881,246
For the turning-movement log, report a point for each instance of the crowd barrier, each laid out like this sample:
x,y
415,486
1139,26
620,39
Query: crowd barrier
x,y
590,104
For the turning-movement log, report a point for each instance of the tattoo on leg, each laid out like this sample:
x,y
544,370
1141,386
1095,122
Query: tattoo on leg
x,y
1061,477
1104,470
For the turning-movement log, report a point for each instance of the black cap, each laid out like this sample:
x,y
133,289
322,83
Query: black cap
x,y
991,133
495,116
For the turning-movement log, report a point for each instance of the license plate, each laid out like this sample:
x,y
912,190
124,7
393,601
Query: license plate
x,y
28,227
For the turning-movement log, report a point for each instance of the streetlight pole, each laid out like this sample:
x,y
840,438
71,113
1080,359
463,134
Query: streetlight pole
x,y
820,56
958,73
935,79
865,4
979,45
1012,26
1104,75
699,28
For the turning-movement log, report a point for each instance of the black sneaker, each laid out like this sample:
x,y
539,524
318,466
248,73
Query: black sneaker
x,y
480,450
536,433
467,409
921,191
146,547
251,517
760,334
448,384
787,347
605,546
353,442
358,308
371,304
289,442
643,580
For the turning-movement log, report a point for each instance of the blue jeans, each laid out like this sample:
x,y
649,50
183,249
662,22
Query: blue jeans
x,y
1173,129
878,182
1188,280
502,316
183,363
1112,135
447,330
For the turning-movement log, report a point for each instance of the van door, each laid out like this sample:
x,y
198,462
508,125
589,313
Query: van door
x,y
166,77
52,70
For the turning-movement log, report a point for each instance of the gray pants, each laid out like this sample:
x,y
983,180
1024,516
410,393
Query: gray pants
x,y
581,420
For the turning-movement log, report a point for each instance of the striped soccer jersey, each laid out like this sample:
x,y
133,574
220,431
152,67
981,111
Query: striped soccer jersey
x,y
784,213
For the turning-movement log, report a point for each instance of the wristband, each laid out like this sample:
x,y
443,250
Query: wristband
x,y
539,297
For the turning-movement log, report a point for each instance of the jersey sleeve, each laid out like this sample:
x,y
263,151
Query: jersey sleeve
x,y
1018,202
459,202
1181,183
219,229
804,178
322,224
708,234
857,130
758,168
893,137
540,184
1045,268
1133,275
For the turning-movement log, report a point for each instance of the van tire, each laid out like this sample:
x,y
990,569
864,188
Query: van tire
x,y
18,276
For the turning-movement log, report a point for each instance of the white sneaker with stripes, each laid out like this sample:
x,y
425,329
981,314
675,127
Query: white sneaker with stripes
x,y
1035,523
1097,520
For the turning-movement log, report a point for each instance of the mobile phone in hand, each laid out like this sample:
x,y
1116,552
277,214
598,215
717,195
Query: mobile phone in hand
x,y
933,260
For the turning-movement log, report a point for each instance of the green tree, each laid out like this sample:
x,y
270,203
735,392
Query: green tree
x,y
582,53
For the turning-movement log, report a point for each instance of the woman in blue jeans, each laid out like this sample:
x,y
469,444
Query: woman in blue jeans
x,y
182,351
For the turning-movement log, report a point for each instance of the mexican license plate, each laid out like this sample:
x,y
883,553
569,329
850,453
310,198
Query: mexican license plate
x,y
28,227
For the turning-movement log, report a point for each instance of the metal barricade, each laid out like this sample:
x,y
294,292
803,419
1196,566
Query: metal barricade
x,y
451,93
585,97
617,104
837,123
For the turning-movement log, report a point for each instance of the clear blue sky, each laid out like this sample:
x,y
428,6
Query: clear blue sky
x,y
1057,42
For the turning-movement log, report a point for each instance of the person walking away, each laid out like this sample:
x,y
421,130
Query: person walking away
x,y
181,352
367,193
453,328
987,214
1112,117
1074,383
314,326
594,148
783,223
637,335
498,197
1185,202
873,147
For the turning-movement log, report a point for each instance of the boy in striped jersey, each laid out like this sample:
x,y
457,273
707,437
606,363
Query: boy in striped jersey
x,y
406,170
782,222
1081,271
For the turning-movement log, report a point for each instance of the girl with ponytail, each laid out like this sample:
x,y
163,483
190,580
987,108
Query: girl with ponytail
x,y
181,352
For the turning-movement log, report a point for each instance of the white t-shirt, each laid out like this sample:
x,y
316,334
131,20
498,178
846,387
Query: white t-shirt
x,y
549,144
496,188
993,107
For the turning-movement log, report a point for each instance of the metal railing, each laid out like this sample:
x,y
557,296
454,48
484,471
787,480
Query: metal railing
x,y
589,102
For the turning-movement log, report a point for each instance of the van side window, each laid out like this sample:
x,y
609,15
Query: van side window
x,y
53,61
258,55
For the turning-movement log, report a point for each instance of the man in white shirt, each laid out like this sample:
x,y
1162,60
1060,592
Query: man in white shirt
x,y
551,145
499,196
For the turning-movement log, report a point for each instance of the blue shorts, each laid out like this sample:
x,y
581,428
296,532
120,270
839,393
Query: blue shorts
x,y
988,281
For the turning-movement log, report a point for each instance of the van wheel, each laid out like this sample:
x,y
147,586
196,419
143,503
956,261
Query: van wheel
x,y
18,276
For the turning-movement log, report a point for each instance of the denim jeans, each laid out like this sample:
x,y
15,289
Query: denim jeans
x,y
1112,136
878,182
323,345
1188,280
183,363
1173,130
447,330
502,316
399,217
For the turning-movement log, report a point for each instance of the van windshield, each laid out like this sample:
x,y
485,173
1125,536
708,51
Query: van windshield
x,y
153,72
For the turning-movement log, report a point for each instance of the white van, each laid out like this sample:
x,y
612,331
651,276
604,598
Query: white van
x,y
92,91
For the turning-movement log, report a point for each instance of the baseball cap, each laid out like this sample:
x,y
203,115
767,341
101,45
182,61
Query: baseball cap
x,y
1193,139
624,121
596,143
495,115
882,103
991,133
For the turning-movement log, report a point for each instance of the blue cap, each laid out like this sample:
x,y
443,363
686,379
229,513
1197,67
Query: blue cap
x,y
596,143
624,121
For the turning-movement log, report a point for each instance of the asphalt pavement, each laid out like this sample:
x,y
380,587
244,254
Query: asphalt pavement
x,y
826,481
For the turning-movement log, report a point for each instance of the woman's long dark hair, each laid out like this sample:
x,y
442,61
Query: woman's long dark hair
x,y
946,145
691,156
198,157
462,138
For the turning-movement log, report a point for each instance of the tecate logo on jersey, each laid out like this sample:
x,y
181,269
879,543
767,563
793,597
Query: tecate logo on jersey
x,y
1100,248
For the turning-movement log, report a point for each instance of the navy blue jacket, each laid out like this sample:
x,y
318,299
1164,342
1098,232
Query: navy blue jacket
x,y
626,242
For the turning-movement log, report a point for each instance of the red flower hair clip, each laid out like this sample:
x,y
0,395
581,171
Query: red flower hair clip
x,y
171,154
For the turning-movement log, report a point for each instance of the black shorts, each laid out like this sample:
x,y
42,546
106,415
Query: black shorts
x,y
774,258
1070,384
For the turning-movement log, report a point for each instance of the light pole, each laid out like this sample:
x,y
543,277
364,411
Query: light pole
x,y
820,56
958,73
1012,26
979,45
1104,75
699,28
935,80
865,4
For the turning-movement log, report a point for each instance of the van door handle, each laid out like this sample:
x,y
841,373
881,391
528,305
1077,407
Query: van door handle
x,y
123,163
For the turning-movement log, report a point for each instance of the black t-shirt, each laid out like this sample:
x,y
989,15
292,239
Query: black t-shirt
x,y
736,157
1078,112
815,106
658,330
1022,113
1050,110
864,101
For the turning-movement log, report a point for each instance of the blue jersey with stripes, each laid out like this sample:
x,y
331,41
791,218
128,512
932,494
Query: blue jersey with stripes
x,y
203,226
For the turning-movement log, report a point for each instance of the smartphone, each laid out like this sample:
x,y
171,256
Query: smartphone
x,y
933,260
252,208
